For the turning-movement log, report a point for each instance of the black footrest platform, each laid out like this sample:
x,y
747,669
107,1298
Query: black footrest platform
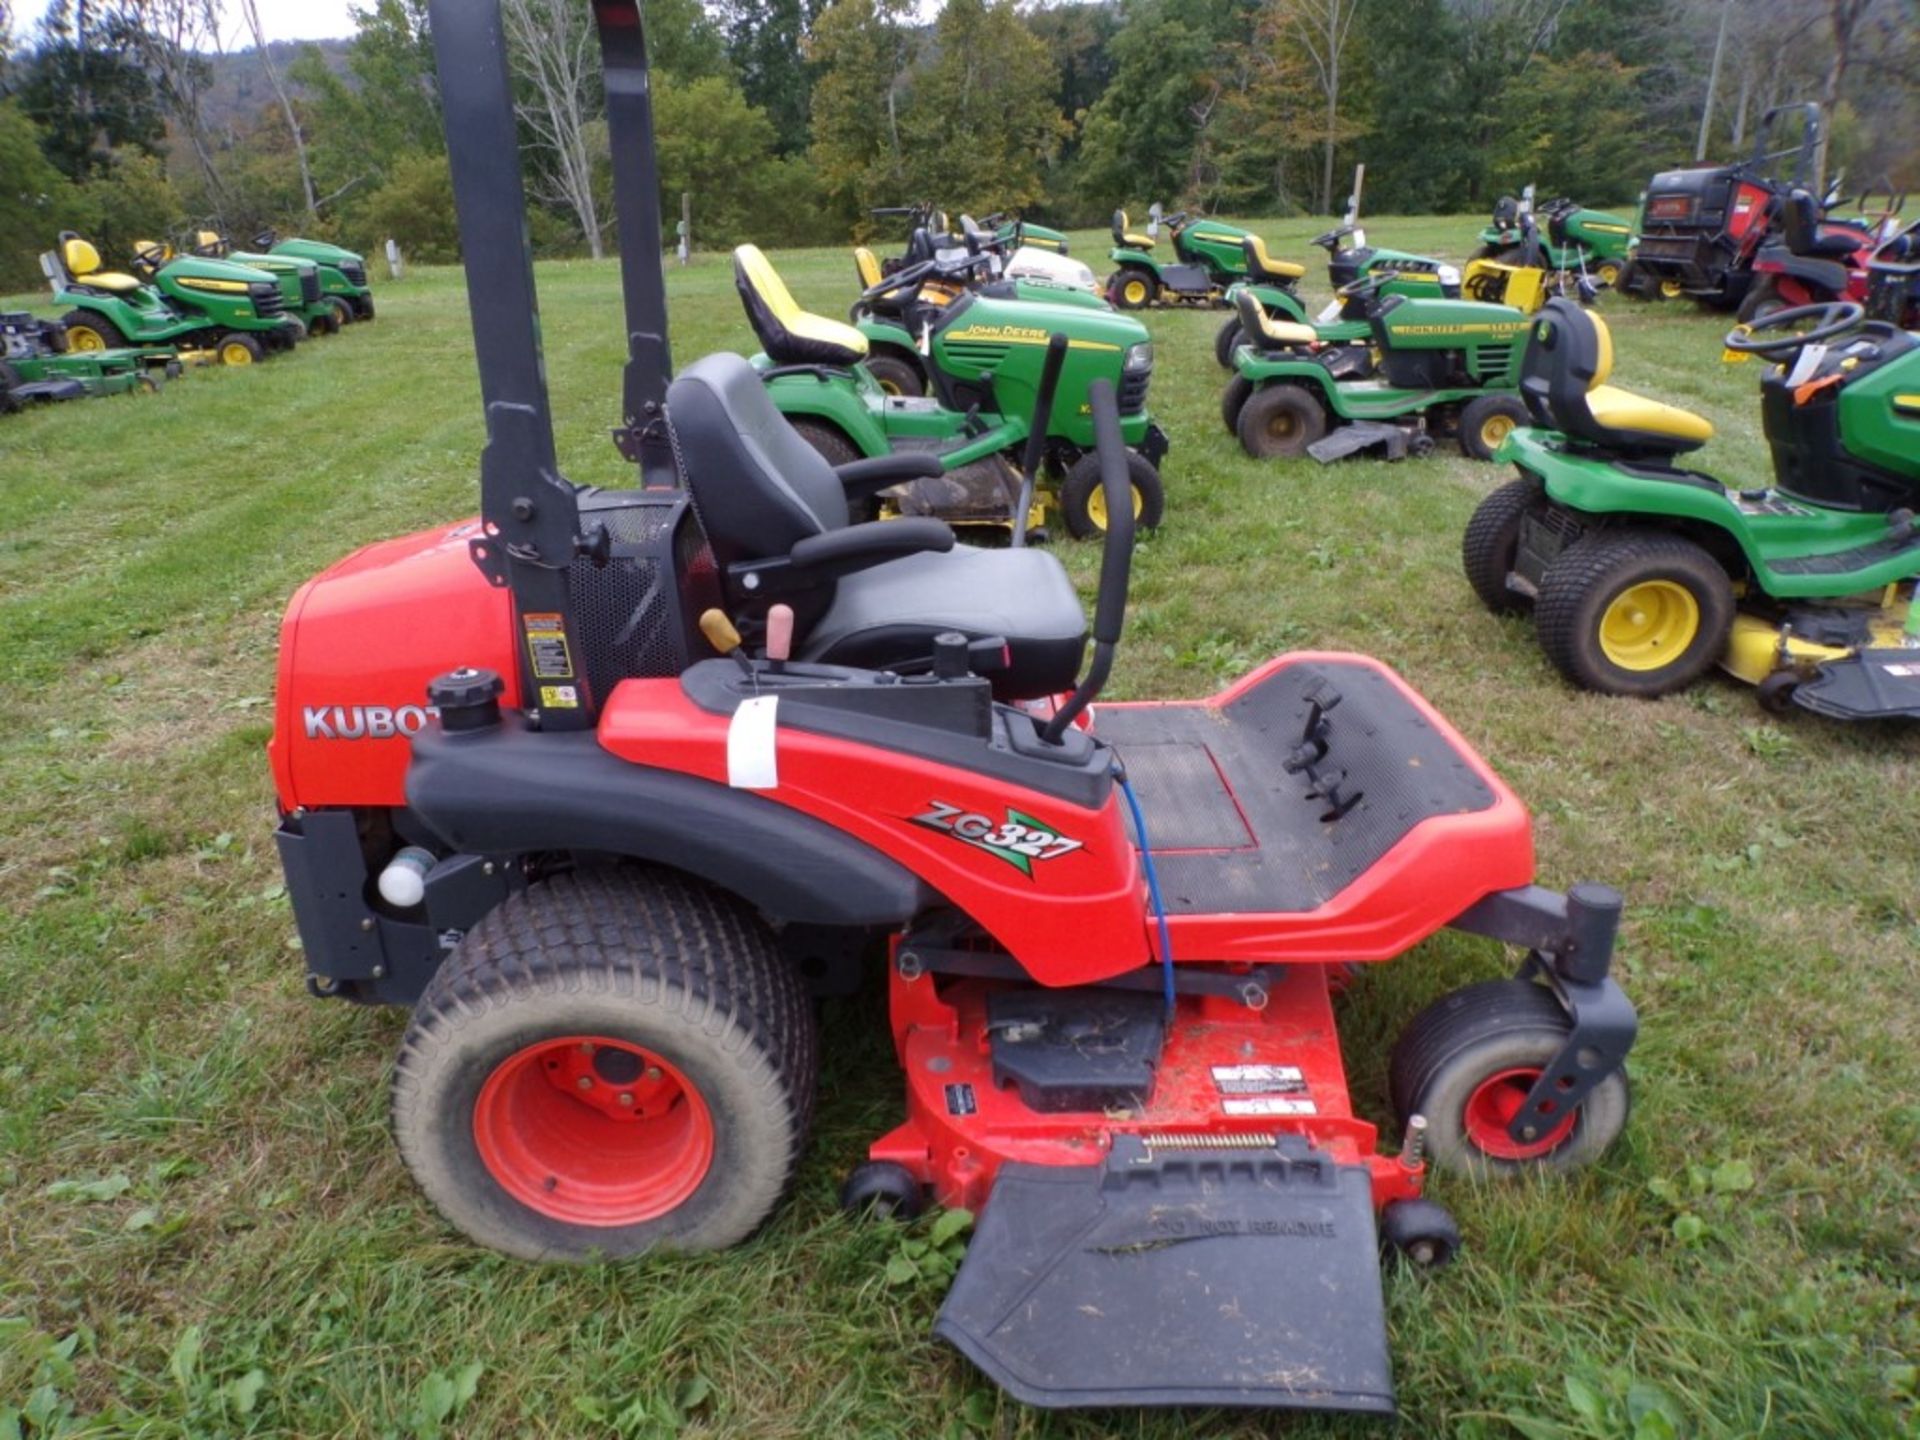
x,y
1178,1277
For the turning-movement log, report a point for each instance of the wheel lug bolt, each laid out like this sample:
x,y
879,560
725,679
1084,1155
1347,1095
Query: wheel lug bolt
x,y
586,1047
626,1098
585,1082
653,1072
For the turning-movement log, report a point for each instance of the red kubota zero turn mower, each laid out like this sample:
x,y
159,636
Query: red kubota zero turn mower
x,y
593,864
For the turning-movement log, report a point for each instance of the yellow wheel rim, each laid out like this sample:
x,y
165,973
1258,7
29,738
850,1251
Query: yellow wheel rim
x,y
1136,292
1649,626
1607,271
1283,425
234,353
1672,289
1494,429
891,387
81,338
1097,507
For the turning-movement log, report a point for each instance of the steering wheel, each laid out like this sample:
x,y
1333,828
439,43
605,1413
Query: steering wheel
x,y
1898,248
267,239
1367,284
907,278
150,256
1330,241
1831,319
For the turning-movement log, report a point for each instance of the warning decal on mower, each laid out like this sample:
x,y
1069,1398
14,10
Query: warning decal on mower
x,y
1259,1080
547,646
1020,841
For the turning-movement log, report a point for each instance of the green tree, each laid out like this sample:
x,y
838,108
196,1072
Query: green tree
x,y
766,41
415,207
35,198
84,88
715,146
1572,129
983,116
861,52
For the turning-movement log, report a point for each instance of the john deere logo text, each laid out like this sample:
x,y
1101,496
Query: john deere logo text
x,y
1019,841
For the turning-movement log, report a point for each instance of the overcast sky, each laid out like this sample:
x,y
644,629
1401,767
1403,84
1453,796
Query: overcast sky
x,y
284,19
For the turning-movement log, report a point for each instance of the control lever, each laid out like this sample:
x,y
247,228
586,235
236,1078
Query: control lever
x,y
720,634
1036,448
1305,758
780,636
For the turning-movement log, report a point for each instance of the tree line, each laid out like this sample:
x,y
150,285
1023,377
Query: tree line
x,y
788,119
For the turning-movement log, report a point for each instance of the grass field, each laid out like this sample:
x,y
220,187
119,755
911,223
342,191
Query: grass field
x,y
204,1229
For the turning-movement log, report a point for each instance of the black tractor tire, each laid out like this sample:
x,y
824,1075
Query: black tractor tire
x,y
112,336
1588,579
1279,421
1082,484
1763,299
881,1190
1473,1048
327,324
832,444
343,312
235,343
896,376
1512,255
1492,541
1132,288
639,967
1419,1232
1232,399
9,377
1486,420
1635,283
1228,338
1607,274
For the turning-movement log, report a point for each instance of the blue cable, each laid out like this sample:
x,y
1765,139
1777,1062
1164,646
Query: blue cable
x,y
1153,885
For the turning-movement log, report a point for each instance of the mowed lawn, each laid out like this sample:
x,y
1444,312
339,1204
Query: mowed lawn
x,y
205,1231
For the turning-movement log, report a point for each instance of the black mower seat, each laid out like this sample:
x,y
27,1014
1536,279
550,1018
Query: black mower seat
x,y
1563,380
760,490
1126,237
1263,266
83,264
1800,220
1267,332
790,335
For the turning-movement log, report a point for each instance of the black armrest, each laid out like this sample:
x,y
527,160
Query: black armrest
x,y
865,477
820,559
859,546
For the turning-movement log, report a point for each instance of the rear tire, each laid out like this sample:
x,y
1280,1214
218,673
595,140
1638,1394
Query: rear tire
x,y
1279,421
9,377
1228,338
89,330
690,1008
1467,1058
834,447
1232,400
1637,613
896,376
1762,300
1634,282
1083,502
1492,543
1487,420
1132,288
343,311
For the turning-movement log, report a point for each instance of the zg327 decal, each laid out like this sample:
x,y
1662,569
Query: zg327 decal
x,y
1020,840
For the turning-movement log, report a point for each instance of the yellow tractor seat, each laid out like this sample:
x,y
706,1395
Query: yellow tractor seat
x,y
209,243
790,335
1263,266
1563,380
1267,332
83,264
867,266
1126,237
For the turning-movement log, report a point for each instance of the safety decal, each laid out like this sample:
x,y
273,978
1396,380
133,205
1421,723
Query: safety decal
x,y
1259,1080
1020,840
547,646
960,1099
1268,1105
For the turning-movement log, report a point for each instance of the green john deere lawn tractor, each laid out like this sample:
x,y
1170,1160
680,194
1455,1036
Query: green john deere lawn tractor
x,y
1208,256
299,280
36,365
895,312
343,272
1274,284
983,432
1642,575
235,312
1592,243
1424,369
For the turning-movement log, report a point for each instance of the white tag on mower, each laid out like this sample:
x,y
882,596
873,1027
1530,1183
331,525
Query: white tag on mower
x,y
751,763
1806,365
1331,313
1268,1105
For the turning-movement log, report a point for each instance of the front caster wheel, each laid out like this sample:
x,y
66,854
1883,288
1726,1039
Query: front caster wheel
x,y
881,1190
1467,1061
1419,1232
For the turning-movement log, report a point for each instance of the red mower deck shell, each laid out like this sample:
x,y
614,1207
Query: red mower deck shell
x,y
358,645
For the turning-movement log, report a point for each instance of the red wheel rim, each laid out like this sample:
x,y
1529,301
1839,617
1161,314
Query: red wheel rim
x,y
593,1131
1491,1109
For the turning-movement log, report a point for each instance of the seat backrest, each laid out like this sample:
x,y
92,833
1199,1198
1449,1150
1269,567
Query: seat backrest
x,y
79,256
1800,220
791,335
759,487
209,243
1569,353
867,266
1263,329
1120,227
